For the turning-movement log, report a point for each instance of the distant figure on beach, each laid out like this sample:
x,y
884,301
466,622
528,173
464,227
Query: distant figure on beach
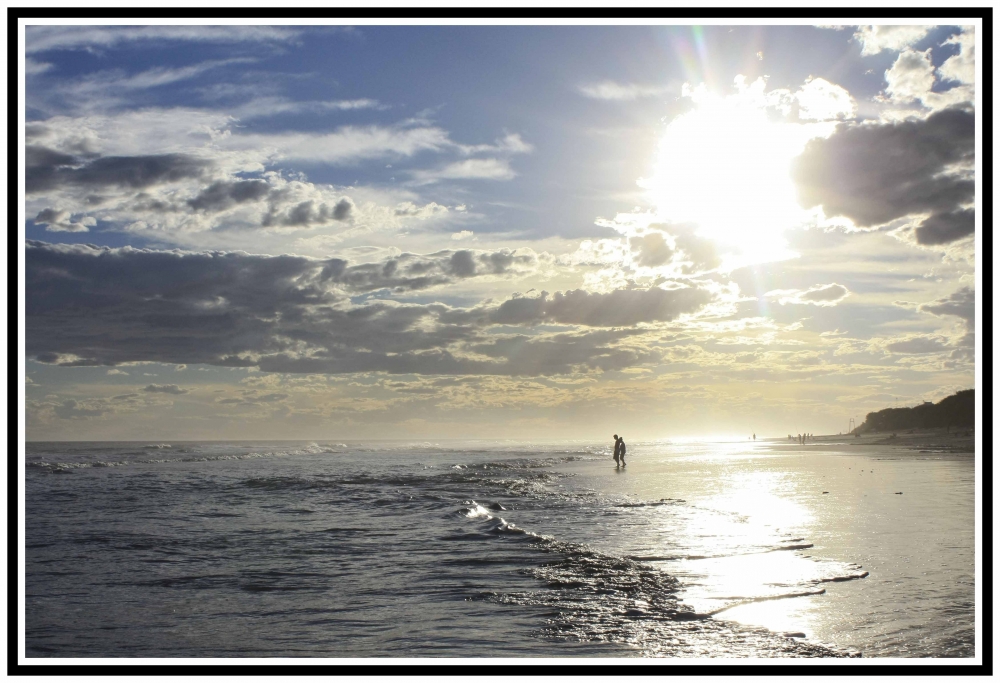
x,y
621,452
755,436
618,449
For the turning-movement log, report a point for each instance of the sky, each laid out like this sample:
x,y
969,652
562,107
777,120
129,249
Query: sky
x,y
498,232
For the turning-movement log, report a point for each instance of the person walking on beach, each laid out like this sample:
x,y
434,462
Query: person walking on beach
x,y
621,452
618,449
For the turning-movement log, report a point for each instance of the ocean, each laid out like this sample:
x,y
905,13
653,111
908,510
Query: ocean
x,y
497,549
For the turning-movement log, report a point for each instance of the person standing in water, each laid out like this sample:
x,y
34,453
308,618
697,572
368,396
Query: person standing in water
x,y
617,449
621,451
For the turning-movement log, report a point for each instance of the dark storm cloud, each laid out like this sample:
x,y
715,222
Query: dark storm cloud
x,y
88,305
617,308
309,212
873,174
109,306
224,195
942,228
47,169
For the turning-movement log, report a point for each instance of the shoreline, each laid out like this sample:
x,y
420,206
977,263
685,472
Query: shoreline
x,y
920,440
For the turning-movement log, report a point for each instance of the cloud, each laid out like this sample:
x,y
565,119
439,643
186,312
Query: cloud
x,y
874,173
347,105
69,410
104,84
622,307
651,249
223,195
511,143
42,38
309,213
918,344
676,245
410,272
194,179
610,90
293,314
961,303
944,228
564,353
47,169
820,295
469,169
821,100
55,220
461,235
263,106
164,389
875,39
345,145
961,67
33,68
911,76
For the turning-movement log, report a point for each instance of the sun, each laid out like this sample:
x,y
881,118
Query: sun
x,y
724,167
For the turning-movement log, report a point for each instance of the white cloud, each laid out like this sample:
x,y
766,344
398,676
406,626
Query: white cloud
x,y
509,144
262,106
961,67
820,295
343,146
911,76
32,67
821,100
609,90
469,169
461,235
41,38
875,39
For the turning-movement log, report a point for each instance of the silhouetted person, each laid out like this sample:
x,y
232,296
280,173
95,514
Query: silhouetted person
x,y
618,449
755,436
621,453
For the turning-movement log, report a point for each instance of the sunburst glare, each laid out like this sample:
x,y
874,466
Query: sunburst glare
x,y
724,166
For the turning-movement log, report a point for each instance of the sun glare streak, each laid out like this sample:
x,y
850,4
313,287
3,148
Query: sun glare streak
x,y
724,166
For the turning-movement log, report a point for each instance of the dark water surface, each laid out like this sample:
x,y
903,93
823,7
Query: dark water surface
x,y
493,549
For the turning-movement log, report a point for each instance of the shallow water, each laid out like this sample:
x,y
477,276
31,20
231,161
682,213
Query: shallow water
x,y
496,549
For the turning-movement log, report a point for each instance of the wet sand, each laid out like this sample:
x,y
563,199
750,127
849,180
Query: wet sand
x,y
761,519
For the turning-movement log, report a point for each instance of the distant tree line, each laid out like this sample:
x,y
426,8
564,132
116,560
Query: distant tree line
x,y
957,410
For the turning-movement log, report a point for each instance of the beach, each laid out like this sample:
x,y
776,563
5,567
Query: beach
x,y
486,549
